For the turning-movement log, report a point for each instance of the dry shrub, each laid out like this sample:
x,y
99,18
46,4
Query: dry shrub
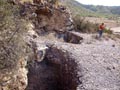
x,y
108,31
84,26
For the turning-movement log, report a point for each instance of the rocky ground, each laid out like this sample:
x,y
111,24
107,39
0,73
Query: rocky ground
x,y
116,30
99,61
100,64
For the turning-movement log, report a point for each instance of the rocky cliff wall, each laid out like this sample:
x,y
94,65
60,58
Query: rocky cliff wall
x,y
42,18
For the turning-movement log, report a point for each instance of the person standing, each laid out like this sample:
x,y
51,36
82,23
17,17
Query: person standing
x,y
101,29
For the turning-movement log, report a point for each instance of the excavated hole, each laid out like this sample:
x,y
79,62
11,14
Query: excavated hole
x,y
69,37
56,72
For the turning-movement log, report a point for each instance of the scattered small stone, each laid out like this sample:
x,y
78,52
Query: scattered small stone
x,y
113,45
113,67
108,68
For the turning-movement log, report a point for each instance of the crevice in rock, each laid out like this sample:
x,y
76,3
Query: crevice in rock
x,y
57,71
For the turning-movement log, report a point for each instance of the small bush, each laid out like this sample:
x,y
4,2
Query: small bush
x,y
108,31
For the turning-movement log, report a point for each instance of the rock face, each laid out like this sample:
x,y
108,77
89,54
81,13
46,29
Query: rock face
x,y
57,22
47,18
50,68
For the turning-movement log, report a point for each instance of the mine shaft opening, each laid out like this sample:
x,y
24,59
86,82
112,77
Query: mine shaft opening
x,y
56,72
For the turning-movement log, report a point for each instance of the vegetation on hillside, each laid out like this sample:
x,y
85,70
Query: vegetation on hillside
x,y
77,9
91,10
103,9
12,27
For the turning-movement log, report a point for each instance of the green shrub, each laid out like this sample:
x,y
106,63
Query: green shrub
x,y
108,31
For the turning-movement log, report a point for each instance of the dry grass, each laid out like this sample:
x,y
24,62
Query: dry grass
x,y
22,1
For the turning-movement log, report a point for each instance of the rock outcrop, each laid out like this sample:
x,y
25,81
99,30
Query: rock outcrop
x,y
47,17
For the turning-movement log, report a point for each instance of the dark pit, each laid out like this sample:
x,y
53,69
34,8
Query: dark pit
x,y
58,71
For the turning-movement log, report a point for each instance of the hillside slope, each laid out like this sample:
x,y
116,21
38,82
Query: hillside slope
x,y
103,9
91,10
76,8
